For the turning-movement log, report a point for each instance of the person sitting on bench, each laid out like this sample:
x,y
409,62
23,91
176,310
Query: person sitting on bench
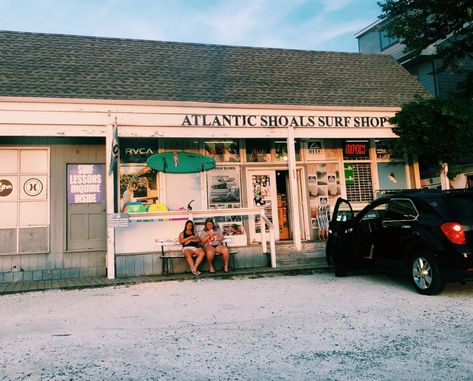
x,y
212,239
191,247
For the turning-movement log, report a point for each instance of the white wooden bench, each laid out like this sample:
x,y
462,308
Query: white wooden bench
x,y
168,257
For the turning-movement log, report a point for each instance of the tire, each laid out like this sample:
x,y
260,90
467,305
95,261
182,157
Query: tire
x,y
338,271
425,274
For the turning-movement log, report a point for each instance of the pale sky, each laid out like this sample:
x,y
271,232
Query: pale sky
x,y
326,25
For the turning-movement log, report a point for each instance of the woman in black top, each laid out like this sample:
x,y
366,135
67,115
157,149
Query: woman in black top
x,y
191,247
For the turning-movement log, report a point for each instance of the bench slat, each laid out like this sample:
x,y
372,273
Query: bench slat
x,y
168,267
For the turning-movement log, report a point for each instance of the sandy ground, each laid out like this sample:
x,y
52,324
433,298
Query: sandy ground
x,y
306,327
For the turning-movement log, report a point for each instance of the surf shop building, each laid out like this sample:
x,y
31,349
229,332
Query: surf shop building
x,y
286,132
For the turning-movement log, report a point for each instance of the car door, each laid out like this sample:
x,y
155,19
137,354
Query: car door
x,y
396,228
340,243
370,245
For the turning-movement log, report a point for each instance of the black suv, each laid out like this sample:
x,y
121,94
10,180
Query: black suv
x,y
426,234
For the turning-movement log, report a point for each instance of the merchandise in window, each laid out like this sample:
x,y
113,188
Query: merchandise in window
x,y
223,150
258,150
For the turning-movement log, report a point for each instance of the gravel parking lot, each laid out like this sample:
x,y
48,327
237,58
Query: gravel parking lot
x,y
305,327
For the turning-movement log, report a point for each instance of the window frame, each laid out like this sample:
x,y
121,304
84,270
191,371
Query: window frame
x,y
21,199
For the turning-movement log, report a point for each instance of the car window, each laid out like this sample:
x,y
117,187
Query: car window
x,y
379,211
343,212
401,209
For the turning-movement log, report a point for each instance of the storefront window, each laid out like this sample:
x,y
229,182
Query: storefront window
x,y
258,150
138,183
183,190
332,149
356,150
188,145
358,181
391,168
223,150
224,187
137,150
392,176
280,147
385,151
324,188
24,200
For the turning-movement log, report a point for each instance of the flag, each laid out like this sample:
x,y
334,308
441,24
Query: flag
x,y
115,150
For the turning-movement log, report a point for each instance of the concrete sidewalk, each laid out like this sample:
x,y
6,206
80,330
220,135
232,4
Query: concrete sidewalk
x,y
94,282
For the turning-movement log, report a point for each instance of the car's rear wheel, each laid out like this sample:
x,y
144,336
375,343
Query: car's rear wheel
x,y
425,274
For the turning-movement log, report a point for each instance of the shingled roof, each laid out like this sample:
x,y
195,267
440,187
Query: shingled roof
x,y
64,66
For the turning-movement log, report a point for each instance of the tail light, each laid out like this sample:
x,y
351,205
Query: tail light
x,y
454,232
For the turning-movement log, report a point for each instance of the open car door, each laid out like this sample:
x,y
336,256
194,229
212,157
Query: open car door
x,y
341,239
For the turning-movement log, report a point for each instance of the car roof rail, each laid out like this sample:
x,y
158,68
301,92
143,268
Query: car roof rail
x,y
390,192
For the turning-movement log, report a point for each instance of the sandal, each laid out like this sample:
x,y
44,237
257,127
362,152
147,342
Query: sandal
x,y
195,272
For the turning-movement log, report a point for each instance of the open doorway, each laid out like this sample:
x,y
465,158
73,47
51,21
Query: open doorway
x,y
282,180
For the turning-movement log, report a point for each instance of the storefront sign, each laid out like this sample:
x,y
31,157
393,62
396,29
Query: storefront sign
x,y
315,150
137,150
85,183
6,187
320,121
349,174
224,187
33,187
356,150
117,220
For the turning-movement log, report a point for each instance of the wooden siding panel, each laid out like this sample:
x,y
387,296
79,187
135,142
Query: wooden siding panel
x,y
448,81
369,42
423,73
396,50
8,240
34,240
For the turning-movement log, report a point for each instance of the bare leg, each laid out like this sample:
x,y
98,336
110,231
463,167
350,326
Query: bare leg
x,y
210,251
189,260
200,257
225,255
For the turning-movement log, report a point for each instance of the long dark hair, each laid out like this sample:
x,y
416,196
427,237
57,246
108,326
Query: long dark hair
x,y
185,226
209,220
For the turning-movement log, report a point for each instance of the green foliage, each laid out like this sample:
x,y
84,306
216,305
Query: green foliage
x,y
437,130
419,24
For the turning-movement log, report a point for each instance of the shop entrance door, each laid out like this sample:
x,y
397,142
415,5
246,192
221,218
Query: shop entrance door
x,y
282,188
262,192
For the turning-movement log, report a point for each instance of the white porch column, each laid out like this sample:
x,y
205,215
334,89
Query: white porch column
x,y
110,258
444,181
295,218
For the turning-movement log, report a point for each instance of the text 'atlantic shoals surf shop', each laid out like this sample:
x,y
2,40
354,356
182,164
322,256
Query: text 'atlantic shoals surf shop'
x,y
283,121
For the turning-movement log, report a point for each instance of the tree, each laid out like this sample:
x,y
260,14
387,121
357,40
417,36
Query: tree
x,y
439,131
446,23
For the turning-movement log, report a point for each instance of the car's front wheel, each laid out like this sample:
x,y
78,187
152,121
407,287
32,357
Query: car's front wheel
x,y
425,274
